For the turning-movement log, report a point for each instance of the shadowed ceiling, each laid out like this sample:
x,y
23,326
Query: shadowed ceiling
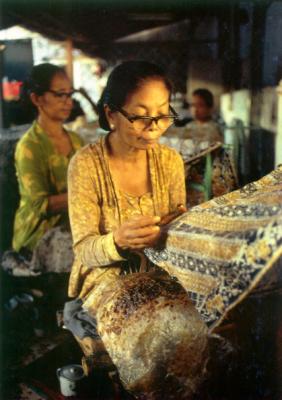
x,y
93,25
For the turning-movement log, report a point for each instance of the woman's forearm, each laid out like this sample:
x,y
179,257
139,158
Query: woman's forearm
x,y
98,250
58,203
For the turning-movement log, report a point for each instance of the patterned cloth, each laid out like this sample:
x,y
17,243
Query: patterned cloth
x,y
222,177
219,251
52,253
97,207
189,148
203,132
41,172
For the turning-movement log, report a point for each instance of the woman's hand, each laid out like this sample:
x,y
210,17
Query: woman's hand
x,y
170,217
57,203
138,233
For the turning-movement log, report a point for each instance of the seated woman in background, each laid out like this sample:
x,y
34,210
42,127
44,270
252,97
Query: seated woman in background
x,y
203,128
210,170
120,189
42,157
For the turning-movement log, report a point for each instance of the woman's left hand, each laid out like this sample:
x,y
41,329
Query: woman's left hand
x,y
137,233
170,217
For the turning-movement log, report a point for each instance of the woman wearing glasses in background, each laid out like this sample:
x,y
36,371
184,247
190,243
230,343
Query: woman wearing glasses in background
x,y
42,157
121,188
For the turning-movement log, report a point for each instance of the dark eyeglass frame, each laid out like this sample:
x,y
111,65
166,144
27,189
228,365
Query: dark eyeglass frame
x,y
132,118
62,95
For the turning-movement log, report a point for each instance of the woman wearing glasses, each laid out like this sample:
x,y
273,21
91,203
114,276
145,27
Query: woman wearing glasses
x,y
120,189
42,157
121,186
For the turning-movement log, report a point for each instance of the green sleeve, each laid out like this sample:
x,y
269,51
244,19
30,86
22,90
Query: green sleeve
x,y
32,173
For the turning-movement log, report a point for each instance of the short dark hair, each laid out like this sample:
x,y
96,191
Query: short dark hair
x,y
39,82
206,95
124,80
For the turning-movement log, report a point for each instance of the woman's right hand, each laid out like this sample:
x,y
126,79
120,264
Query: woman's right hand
x,y
137,233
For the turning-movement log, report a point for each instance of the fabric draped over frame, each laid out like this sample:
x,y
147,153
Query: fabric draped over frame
x,y
220,250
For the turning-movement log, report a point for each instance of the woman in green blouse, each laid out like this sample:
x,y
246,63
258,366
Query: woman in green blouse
x,y
42,157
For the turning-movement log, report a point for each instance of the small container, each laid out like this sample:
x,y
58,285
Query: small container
x,y
70,378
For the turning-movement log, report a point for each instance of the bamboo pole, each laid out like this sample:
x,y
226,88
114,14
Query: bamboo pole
x,y
69,58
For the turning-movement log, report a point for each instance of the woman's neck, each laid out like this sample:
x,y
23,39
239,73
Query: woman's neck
x,y
203,121
121,150
52,128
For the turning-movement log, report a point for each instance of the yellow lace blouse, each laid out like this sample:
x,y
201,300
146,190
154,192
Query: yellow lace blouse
x,y
97,207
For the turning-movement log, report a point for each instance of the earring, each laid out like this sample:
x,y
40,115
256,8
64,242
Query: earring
x,y
112,126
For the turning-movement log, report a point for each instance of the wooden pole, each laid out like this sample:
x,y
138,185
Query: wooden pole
x,y
278,138
69,58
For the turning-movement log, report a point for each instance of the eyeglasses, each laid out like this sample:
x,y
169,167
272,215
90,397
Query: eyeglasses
x,y
141,122
62,96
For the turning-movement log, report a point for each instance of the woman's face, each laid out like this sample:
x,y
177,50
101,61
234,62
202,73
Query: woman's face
x,y
52,104
200,110
150,99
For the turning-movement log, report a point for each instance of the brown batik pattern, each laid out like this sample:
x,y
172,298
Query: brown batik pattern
x,y
221,249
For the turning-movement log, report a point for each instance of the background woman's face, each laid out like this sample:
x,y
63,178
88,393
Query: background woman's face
x,y
200,110
54,107
150,99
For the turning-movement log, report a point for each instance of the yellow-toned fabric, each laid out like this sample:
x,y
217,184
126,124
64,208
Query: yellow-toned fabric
x,y
41,172
97,207
154,336
225,248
